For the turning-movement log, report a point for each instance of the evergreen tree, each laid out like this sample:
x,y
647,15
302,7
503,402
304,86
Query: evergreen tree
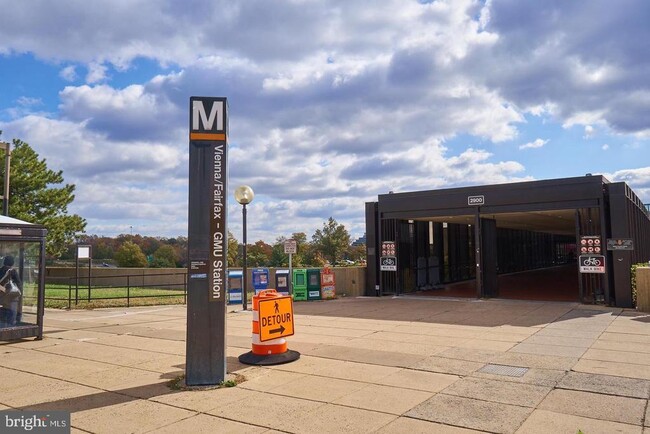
x,y
37,195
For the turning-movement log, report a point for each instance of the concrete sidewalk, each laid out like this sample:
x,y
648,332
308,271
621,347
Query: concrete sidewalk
x,y
368,365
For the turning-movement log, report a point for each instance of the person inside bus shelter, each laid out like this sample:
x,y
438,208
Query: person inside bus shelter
x,y
10,294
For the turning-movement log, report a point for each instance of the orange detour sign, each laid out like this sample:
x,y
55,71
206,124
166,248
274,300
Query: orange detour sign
x,y
272,321
276,318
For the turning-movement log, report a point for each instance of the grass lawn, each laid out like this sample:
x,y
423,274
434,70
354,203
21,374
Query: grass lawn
x,y
56,296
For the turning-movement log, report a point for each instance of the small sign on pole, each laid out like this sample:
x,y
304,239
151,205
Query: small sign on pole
x,y
388,259
83,252
590,245
290,247
388,263
620,244
476,200
388,248
592,264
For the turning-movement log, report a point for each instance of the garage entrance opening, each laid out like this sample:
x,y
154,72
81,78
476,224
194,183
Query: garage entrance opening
x,y
557,283
535,255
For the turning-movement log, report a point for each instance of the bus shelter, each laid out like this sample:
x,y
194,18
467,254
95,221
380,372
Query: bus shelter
x,y
22,296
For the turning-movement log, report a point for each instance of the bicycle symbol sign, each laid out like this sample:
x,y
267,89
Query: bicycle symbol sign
x,y
592,263
388,263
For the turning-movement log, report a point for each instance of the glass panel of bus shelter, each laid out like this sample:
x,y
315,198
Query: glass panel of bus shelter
x,y
23,259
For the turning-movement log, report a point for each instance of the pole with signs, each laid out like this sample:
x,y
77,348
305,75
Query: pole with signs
x,y
290,247
388,259
83,252
205,357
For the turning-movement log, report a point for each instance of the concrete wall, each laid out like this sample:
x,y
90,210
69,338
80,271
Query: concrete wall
x,y
643,289
172,278
350,281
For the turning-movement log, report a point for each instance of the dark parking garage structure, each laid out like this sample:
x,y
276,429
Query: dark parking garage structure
x,y
540,240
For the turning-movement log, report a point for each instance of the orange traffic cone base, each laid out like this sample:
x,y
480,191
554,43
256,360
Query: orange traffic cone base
x,y
271,351
269,359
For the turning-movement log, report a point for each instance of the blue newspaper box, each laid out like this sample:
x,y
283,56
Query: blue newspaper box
x,y
260,279
234,286
282,281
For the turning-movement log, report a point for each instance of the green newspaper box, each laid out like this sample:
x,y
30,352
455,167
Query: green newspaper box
x,y
300,284
313,284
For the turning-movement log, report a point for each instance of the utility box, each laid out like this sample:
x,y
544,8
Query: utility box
x,y
327,284
300,284
313,284
282,282
234,286
260,279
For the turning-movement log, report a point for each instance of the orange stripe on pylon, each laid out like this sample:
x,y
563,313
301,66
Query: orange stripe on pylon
x,y
207,136
264,350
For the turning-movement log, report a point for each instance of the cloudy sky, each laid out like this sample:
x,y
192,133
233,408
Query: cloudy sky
x,y
331,101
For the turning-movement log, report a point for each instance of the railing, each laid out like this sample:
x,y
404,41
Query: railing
x,y
108,290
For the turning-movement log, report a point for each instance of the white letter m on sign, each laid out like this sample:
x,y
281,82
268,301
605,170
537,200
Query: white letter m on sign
x,y
198,112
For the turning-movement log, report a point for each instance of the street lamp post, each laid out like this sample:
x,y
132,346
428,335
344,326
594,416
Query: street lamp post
x,y
244,195
5,194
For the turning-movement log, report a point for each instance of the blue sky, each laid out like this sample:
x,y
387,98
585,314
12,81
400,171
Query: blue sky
x,y
331,102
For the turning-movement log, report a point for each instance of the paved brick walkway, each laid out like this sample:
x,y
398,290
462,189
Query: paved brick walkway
x,y
368,365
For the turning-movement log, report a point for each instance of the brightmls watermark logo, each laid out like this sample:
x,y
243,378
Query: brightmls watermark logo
x,y
55,422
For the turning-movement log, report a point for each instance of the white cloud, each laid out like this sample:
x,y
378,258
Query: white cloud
x,y
605,147
538,143
132,113
638,179
635,177
25,106
584,118
511,48
26,101
330,102
96,73
69,73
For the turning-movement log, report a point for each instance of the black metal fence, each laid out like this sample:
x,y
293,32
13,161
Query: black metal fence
x,y
107,290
